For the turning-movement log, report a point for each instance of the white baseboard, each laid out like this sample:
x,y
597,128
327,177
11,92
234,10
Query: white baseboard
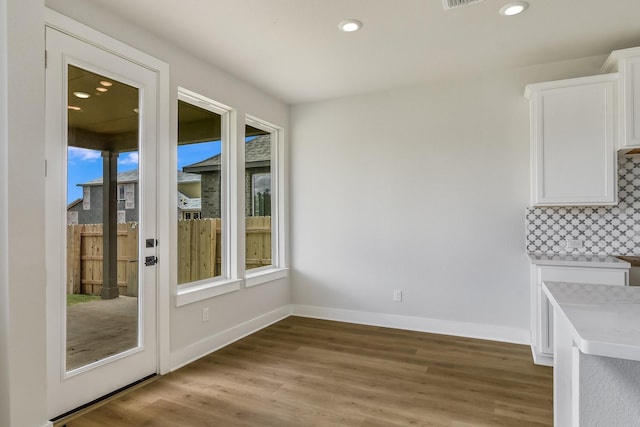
x,y
197,350
421,324
541,359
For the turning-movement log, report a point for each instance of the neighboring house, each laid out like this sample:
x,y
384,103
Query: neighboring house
x,y
257,179
88,209
188,208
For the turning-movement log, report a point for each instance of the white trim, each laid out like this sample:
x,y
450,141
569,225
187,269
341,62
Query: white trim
x,y
195,351
278,190
185,291
206,290
531,89
420,324
541,359
264,276
48,424
89,35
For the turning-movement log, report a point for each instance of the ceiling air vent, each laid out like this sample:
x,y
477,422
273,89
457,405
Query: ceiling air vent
x,y
452,4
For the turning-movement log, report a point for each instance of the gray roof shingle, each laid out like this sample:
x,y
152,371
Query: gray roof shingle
x,y
256,150
132,176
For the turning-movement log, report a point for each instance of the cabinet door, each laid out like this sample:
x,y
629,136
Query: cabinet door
x,y
630,75
602,276
573,131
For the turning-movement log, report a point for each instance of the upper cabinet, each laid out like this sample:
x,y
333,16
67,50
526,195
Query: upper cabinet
x,y
627,63
573,141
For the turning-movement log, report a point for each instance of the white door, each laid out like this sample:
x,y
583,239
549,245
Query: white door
x,y
101,118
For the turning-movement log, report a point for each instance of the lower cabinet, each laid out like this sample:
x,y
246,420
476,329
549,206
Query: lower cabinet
x,y
541,310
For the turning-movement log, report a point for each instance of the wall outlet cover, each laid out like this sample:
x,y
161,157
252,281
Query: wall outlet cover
x,y
574,243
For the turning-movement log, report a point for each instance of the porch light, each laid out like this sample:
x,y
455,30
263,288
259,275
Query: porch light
x,y
514,8
350,25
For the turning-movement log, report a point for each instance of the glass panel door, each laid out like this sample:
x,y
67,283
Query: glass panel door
x,y
101,121
102,217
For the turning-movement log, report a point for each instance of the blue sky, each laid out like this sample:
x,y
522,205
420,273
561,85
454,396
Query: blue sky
x,y
85,165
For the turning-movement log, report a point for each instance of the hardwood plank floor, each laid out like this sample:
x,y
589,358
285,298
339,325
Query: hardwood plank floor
x,y
309,372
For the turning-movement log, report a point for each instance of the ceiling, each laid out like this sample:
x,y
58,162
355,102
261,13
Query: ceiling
x,y
110,107
293,49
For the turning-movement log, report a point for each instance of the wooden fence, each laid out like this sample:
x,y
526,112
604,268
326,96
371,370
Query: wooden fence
x,y
199,249
258,242
84,259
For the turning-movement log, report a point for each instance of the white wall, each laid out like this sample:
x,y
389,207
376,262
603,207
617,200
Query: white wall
x,y
4,254
189,336
421,189
22,275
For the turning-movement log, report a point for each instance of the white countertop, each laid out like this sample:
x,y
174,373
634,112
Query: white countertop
x,y
605,319
567,260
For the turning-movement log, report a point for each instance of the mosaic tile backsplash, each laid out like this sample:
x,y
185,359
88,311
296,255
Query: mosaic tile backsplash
x,y
607,230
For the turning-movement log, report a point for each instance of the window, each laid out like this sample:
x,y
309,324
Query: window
x,y
191,215
202,253
261,196
121,194
214,197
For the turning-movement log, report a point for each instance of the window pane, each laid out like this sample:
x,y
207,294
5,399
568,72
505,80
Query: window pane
x,y
199,194
258,197
102,214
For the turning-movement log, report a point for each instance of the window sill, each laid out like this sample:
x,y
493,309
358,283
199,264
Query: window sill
x,y
191,294
264,276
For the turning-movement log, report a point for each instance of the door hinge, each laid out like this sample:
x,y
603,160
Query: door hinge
x,y
45,59
45,168
150,260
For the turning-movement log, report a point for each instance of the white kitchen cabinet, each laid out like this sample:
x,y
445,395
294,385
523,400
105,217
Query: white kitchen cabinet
x,y
573,141
604,271
627,63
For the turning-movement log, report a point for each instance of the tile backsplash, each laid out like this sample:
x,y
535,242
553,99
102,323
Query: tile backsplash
x,y
610,230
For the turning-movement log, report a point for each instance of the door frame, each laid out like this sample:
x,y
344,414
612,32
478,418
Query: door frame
x,y
102,41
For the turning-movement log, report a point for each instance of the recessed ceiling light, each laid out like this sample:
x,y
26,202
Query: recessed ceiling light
x,y
350,25
102,89
106,83
74,108
82,95
514,8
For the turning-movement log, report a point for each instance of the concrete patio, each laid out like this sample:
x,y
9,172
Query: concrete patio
x,y
99,329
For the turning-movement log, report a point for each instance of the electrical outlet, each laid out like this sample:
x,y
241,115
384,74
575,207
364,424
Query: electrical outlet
x,y
397,295
205,314
574,243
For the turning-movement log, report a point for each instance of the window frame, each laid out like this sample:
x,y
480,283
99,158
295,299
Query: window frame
x,y
228,281
278,268
121,189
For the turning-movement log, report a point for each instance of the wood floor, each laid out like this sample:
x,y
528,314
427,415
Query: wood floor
x,y
308,372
